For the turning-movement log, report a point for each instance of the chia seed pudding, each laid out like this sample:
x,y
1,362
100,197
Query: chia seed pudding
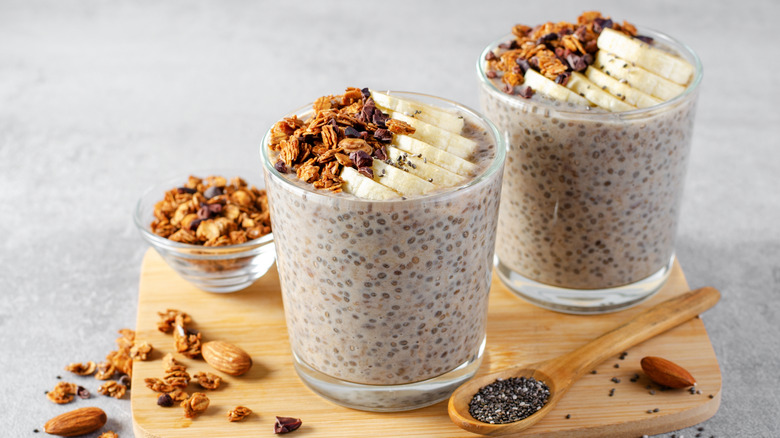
x,y
591,198
386,301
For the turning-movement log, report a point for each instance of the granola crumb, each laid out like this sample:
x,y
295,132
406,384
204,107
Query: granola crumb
x,y
82,369
238,413
197,403
208,380
112,389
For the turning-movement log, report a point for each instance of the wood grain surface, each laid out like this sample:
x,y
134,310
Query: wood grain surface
x,y
517,332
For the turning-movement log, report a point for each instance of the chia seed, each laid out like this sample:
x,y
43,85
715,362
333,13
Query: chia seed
x,y
509,400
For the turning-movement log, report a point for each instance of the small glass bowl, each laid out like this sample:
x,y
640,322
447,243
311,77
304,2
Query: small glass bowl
x,y
218,269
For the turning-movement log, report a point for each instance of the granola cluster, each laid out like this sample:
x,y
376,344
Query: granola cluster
x,y
118,364
212,212
553,49
345,131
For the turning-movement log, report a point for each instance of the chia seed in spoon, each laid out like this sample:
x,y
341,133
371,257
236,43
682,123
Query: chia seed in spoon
x,y
509,400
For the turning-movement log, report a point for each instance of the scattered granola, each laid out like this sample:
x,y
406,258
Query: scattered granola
x,y
105,371
62,393
197,403
343,128
82,369
179,395
211,212
141,351
186,342
121,361
208,380
177,378
112,389
238,413
109,434
168,319
553,49
157,385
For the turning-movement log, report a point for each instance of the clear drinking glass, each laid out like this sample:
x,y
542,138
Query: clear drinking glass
x,y
591,200
386,301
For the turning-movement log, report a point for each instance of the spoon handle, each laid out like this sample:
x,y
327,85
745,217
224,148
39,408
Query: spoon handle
x,y
652,322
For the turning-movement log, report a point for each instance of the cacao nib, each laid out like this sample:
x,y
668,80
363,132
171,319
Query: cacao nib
x,y
286,424
534,62
508,89
214,208
647,39
380,118
490,56
588,58
581,32
212,192
351,132
509,45
186,190
517,69
368,172
361,159
600,24
383,134
203,213
491,74
194,224
563,78
525,91
165,400
576,62
552,36
280,166
82,392
379,153
523,63
366,92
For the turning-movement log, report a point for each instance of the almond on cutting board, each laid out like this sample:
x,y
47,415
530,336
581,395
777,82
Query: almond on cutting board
x,y
226,357
77,422
666,373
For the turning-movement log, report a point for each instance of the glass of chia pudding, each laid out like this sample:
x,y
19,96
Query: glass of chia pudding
x,y
385,207
598,119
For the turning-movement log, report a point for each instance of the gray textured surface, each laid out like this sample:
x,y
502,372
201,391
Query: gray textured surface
x,y
99,100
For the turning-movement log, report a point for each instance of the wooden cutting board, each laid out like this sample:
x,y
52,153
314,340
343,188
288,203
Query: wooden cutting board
x,y
517,332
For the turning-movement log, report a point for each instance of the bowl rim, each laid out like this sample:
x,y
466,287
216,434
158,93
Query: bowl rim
x,y
167,184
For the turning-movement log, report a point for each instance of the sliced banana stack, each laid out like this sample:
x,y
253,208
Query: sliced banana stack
x,y
435,156
626,74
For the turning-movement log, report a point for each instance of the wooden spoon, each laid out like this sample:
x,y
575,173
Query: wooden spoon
x,y
561,372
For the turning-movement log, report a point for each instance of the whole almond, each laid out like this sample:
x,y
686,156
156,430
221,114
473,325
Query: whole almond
x,y
666,373
226,357
78,422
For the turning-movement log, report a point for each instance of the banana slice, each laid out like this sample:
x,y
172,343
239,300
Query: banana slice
x,y
362,187
583,86
445,140
650,58
620,89
440,157
637,77
428,171
549,88
421,111
400,181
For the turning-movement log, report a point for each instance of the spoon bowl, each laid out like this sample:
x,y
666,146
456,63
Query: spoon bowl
x,y
561,372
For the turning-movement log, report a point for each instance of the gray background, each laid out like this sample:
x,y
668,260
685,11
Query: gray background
x,y
100,99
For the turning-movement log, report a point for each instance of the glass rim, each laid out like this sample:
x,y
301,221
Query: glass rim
x,y
683,49
206,251
495,165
